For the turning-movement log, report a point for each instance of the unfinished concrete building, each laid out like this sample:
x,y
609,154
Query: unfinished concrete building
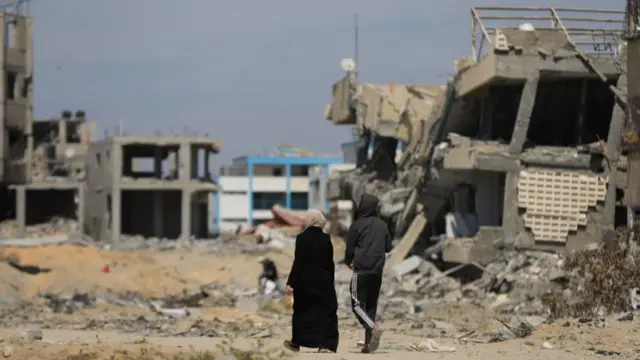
x,y
149,186
523,147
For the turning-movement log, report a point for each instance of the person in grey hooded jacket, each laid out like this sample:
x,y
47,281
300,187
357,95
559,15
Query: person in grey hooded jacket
x,y
368,241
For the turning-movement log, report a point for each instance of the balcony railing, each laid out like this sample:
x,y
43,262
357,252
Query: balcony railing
x,y
595,32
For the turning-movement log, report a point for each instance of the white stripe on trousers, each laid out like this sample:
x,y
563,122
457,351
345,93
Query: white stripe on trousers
x,y
356,303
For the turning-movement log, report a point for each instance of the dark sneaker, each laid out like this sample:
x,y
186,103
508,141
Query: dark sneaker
x,y
375,339
365,349
291,346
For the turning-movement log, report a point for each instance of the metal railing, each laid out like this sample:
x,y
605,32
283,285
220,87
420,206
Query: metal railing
x,y
595,32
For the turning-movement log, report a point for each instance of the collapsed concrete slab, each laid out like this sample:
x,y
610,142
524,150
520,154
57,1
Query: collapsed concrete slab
x,y
150,186
521,149
394,113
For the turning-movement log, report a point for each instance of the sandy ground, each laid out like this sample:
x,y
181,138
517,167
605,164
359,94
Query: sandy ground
x,y
79,269
161,273
63,344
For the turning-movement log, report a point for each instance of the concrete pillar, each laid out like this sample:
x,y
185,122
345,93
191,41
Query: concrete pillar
x,y
27,42
510,209
287,174
116,163
80,196
116,207
158,214
185,212
28,155
523,118
616,125
184,167
62,131
21,211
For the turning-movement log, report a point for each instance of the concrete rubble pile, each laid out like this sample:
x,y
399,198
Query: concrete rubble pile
x,y
514,284
56,226
171,316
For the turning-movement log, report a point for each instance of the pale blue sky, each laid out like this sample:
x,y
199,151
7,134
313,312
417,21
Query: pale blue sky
x,y
251,73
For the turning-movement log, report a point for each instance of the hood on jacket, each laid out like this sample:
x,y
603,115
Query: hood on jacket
x,y
368,205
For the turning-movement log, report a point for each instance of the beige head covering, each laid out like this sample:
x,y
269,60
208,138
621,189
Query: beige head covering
x,y
314,217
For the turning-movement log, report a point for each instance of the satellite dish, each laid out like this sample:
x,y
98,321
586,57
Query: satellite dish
x,y
348,64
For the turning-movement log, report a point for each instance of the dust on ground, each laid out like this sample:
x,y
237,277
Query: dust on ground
x,y
154,274
87,303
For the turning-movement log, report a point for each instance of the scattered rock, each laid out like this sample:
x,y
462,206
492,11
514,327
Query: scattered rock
x,y
263,334
7,351
32,335
430,345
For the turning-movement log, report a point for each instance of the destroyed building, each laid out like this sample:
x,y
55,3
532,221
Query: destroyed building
x,y
57,171
17,97
40,161
149,186
520,149
17,105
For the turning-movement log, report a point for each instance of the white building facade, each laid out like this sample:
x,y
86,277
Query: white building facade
x,y
251,186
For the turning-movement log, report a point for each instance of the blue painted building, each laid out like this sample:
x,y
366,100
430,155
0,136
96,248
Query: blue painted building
x,y
251,185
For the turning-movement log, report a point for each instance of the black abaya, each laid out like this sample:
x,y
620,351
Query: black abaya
x,y
315,303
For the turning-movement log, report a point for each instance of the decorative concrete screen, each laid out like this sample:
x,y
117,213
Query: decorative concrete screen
x,y
557,202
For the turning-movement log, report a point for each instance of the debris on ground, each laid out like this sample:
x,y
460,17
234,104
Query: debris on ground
x,y
56,226
603,281
430,345
208,288
514,284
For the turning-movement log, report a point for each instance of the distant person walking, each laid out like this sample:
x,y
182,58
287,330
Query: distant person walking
x,y
368,240
268,279
311,281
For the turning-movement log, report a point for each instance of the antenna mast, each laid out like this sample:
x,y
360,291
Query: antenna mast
x,y
356,44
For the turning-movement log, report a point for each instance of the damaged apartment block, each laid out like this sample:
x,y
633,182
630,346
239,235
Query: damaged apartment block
x,y
149,186
16,109
391,133
522,149
37,165
529,147
57,170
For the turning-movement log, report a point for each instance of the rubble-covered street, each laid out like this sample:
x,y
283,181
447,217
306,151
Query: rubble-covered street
x,y
203,296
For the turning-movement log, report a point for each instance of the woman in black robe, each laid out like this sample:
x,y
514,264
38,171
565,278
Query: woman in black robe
x,y
311,280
